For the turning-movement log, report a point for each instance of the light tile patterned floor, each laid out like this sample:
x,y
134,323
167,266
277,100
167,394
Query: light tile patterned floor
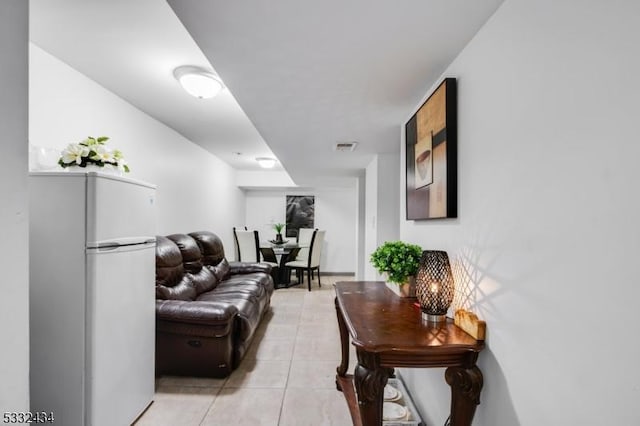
x,y
287,377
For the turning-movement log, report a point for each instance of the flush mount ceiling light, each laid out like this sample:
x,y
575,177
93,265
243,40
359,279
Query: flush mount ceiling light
x,y
266,162
198,82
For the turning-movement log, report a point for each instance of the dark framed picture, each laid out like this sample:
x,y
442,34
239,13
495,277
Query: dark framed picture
x,y
432,156
300,213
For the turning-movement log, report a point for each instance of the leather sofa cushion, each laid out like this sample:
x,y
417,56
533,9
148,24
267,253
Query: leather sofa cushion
x,y
178,312
210,246
222,270
227,287
184,290
248,306
258,284
171,281
169,267
260,279
249,267
191,255
203,279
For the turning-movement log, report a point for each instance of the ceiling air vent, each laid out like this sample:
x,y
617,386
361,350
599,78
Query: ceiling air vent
x,y
346,146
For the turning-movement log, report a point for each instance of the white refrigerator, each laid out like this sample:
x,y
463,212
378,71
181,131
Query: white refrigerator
x,y
92,297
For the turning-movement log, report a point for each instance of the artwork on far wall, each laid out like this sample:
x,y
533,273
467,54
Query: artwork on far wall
x,y
431,148
300,213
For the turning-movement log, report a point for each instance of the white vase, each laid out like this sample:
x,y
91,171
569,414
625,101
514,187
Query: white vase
x,y
42,159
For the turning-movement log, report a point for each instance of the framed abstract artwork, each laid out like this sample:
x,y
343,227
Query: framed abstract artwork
x,y
300,213
431,154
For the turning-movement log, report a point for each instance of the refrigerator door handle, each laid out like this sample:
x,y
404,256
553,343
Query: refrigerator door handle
x,y
111,246
107,246
121,242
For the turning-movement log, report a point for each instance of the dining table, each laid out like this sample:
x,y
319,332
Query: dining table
x,y
281,254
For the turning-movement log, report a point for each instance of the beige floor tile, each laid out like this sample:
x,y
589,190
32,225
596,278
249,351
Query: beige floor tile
x,y
326,330
320,295
180,381
293,287
277,331
327,307
244,407
314,348
286,378
293,295
314,285
318,313
294,291
183,406
271,349
287,297
305,374
293,305
285,316
257,373
314,407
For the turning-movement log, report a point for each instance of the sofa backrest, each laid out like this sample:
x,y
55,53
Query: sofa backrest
x,y
212,253
171,280
210,246
188,265
203,278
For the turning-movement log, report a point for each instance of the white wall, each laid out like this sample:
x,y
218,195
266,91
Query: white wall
x,y
371,217
382,177
264,178
547,239
196,190
361,188
14,224
388,198
335,212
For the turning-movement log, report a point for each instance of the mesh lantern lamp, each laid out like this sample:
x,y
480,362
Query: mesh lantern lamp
x,y
434,285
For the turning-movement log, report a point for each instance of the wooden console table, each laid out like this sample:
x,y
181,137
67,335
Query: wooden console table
x,y
387,332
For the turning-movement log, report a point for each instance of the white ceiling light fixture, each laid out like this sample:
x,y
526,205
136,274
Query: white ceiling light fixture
x,y
198,82
266,162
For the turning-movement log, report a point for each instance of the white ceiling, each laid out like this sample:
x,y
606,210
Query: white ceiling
x,y
307,74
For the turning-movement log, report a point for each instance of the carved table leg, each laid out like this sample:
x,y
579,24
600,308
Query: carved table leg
x,y
370,380
344,345
466,384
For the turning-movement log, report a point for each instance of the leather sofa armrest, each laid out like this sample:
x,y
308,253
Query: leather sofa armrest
x,y
248,267
200,313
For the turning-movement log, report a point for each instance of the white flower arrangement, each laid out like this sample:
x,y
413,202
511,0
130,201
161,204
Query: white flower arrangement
x,y
92,151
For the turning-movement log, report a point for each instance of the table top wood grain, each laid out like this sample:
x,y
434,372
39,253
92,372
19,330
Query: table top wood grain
x,y
381,322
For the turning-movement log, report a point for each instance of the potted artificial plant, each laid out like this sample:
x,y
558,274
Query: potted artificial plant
x,y
278,227
399,261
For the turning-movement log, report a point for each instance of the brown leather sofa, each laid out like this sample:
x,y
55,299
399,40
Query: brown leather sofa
x,y
207,309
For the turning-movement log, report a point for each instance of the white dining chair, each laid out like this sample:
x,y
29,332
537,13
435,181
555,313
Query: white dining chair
x,y
304,242
247,245
312,262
